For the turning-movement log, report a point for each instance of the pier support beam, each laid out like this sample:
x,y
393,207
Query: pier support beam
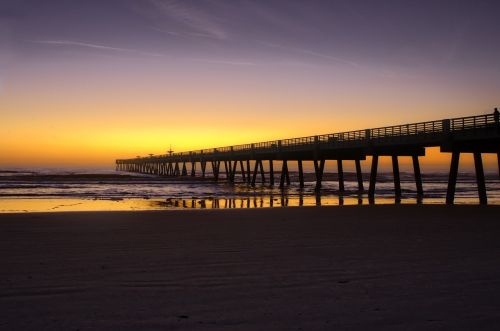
x,y
340,174
373,179
233,170
193,169
242,168
359,175
284,174
184,169
418,176
318,171
258,164
271,173
203,165
301,174
481,185
227,170
215,169
254,175
248,172
176,170
262,174
452,179
397,180
498,160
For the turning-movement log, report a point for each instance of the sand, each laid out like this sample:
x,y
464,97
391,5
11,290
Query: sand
x,y
311,268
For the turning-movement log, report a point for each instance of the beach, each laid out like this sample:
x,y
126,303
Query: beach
x,y
406,267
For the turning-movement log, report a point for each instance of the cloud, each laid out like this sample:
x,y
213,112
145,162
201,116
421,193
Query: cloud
x,y
311,53
95,46
229,62
198,22
184,33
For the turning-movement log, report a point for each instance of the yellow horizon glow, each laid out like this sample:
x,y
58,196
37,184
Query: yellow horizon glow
x,y
80,120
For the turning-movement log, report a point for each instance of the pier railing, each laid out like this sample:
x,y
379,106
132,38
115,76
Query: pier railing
x,y
352,138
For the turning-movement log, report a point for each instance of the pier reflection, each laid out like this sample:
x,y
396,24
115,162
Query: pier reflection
x,y
279,200
253,201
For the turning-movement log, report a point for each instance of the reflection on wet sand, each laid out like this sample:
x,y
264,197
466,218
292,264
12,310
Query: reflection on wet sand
x,y
281,200
254,201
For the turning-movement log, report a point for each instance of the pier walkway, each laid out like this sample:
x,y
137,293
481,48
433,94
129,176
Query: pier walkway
x,y
472,134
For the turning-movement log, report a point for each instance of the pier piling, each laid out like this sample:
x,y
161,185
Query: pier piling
x,y
373,178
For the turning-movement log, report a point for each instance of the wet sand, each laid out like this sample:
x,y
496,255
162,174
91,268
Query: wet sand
x,y
405,267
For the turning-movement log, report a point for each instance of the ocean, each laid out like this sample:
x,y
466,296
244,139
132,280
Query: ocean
x,y
64,190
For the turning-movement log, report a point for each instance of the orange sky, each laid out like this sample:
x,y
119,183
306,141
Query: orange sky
x,y
63,126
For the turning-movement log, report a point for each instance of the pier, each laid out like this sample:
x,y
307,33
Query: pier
x,y
473,134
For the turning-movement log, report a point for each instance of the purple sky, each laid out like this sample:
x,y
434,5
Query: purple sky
x,y
410,35
306,67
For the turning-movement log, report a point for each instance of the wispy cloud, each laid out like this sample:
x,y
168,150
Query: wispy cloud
x,y
184,33
311,53
198,22
95,46
228,62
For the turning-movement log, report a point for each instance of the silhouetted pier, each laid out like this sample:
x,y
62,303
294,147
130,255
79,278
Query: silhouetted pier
x,y
473,134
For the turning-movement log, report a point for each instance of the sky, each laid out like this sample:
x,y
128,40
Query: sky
x,y
85,82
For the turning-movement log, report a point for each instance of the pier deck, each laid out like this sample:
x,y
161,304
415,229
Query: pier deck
x,y
472,134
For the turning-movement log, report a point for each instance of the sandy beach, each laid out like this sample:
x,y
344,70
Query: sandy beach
x,y
405,267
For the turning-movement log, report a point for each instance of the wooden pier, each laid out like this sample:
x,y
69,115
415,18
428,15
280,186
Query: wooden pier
x,y
473,134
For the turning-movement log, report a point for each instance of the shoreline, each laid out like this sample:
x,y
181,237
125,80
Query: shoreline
x,y
70,204
182,211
